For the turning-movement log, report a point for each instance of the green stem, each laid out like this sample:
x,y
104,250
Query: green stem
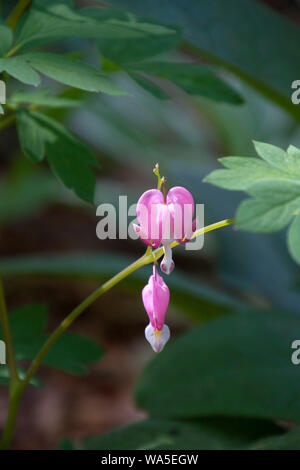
x,y
17,13
14,402
7,337
223,223
12,365
17,392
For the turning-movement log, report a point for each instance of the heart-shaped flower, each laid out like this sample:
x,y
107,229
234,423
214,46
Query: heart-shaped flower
x,y
164,219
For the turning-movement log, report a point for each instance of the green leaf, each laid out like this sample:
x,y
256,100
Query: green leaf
x,y
18,68
273,155
6,38
128,50
288,441
51,23
27,322
294,239
273,206
265,54
71,72
274,184
69,159
71,352
149,86
194,79
30,136
42,97
233,366
244,172
160,434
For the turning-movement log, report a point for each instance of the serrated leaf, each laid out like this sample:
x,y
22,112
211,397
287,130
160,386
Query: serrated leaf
x,y
69,158
42,97
193,78
51,23
274,184
244,172
132,50
6,38
217,29
272,207
205,434
273,155
18,68
293,159
233,366
31,138
72,72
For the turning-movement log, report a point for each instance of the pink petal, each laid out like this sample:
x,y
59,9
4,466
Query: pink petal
x,y
189,235
144,238
156,298
181,206
148,212
181,196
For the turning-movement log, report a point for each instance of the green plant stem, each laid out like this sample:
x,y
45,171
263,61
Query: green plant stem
x,y
7,337
12,365
17,392
17,13
223,223
15,396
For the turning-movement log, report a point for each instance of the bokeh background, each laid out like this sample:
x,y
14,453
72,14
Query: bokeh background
x,y
42,222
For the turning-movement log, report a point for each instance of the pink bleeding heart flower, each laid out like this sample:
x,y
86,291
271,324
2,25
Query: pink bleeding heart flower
x,y
164,219
156,298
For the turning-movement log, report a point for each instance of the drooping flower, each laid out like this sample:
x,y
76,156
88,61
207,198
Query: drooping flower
x,y
156,298
164,219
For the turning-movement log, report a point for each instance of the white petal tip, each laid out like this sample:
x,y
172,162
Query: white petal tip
x,y
157,338
166,266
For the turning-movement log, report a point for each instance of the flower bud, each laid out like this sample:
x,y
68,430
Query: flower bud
x,y
156,298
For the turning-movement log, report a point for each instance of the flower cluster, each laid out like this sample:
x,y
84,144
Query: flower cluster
x,y
163,218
